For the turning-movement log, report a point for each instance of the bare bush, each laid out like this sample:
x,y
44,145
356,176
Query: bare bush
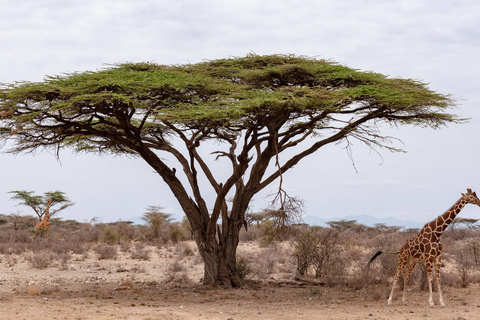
x,y
67,245
327,262
41,260
177,273
319,248
64,258
105,251
140,252
305,244
176,266
184,250
251,233
465,264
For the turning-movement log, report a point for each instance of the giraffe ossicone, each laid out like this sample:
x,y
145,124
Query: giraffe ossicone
x,y
426,247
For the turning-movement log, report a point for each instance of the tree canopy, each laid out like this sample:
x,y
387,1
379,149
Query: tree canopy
x,y
219,97
58,201
256,107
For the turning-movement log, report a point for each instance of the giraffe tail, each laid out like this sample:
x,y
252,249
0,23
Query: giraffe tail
x,y
379,253
374,257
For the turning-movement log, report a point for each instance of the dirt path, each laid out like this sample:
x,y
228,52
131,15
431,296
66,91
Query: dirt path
x,y
126,288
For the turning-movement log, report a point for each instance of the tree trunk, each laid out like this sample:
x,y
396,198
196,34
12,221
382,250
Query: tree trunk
x,y
217,247
219,258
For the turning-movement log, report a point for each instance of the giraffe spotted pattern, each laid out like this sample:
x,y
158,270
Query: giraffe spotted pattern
x,y
426,247
45,223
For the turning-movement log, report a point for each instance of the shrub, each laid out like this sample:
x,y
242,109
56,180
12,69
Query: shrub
x,y
140,252
243,268
110,235
176,266
253,233
41,260
184,250
105,251
177,233
326,261
64,258
465,264
266,260
305,244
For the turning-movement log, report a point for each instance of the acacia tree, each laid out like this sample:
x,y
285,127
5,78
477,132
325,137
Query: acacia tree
x,y
255,107
156,218
59,201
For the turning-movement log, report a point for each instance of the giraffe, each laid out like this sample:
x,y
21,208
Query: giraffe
x,y
426,247
44,225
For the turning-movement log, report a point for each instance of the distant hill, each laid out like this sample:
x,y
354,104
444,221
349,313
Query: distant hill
x,y
364,219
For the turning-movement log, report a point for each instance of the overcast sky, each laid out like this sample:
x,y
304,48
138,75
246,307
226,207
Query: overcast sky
x,y
434,41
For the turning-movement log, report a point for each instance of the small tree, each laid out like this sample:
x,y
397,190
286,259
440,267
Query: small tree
x,y
470,224
327,259
156,219
305,245
384,228
58,199
342,225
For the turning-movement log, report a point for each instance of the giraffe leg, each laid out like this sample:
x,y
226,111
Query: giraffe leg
x,y
402,261
430,271
406,276
438,263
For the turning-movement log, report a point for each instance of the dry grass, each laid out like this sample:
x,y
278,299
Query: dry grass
x,y
340,263
105,251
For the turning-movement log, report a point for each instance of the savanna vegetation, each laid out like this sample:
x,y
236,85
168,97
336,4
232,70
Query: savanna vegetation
x,y
265,113
336,255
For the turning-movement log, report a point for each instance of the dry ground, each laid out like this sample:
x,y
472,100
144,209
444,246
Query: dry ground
x,y
88,288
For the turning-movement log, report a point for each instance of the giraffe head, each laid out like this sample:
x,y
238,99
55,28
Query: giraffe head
x,y
471,197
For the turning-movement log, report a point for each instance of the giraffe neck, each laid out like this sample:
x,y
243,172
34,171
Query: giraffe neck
x,y
47,211
443,221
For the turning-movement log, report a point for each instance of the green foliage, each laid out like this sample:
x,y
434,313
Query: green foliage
x,y
177,232
244,268
110,235
59,201
221,93
3,220
343,224
156,221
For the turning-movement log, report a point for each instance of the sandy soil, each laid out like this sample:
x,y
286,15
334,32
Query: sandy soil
x,y
88,288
